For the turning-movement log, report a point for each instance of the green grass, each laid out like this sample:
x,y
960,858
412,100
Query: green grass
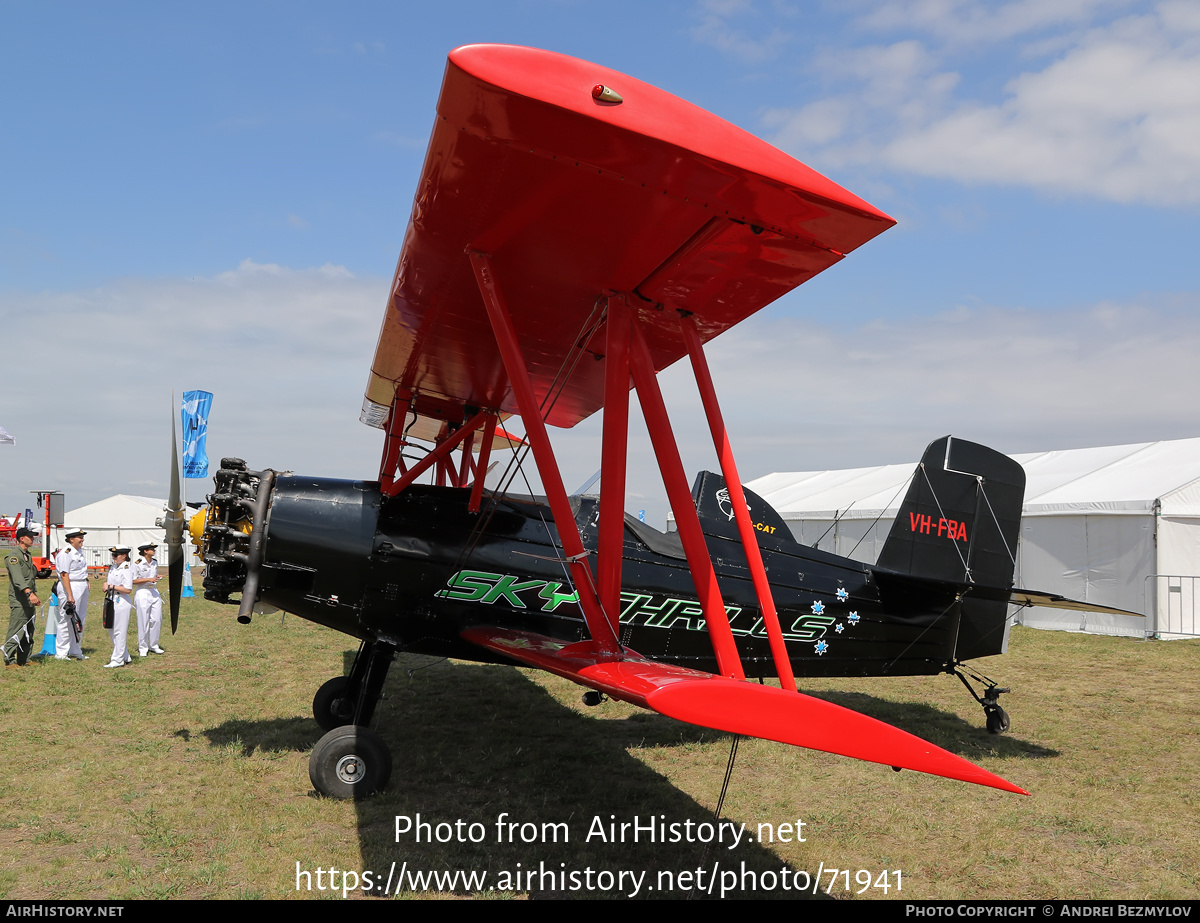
x,y
186,775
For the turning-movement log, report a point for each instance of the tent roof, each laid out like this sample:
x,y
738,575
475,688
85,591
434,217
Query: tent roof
x,y
858,493
1114,479
121,510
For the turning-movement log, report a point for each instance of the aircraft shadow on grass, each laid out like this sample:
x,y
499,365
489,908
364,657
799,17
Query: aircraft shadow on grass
x,y
473,742
939,726
487,746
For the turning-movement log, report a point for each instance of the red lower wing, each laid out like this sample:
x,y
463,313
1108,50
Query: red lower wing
x,y
735,706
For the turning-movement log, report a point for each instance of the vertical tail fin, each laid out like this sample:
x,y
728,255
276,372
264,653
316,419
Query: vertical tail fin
x,y
960,518
959,524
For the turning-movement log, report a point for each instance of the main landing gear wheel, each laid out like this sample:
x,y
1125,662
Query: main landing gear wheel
x,y
331,706
350,762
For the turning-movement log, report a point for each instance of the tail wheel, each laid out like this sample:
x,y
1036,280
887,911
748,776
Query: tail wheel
x,y
332,707
997,717
350,762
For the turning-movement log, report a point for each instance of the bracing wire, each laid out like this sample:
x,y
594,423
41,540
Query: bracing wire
x,y
733,750
881,512
995,519
515,464
937,618
925,474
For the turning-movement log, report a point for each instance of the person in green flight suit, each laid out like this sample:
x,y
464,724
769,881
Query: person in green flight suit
x,y
22,600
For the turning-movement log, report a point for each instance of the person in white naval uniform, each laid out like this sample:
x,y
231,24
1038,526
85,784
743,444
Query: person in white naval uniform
x,y
72,588
120,581
147,601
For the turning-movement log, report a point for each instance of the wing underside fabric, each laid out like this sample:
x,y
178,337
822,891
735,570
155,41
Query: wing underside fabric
x,y
572,198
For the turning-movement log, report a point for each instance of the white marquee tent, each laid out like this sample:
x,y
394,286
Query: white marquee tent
x,y
1116,525
118,520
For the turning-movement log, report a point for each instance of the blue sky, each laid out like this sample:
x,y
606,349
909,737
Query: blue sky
x,y
214,197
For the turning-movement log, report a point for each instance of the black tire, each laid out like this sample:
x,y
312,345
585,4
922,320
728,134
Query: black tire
x,y
331,707
350,762
44,573
997,720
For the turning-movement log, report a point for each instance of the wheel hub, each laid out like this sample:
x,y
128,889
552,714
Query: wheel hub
x,y
351,769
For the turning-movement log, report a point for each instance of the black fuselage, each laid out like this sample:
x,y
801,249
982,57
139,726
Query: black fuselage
x,y
418,569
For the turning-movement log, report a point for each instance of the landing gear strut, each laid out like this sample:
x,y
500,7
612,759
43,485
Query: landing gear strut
x,y
997,717
352,761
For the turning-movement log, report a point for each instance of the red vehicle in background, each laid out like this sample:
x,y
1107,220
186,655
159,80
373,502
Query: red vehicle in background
x,y
8,536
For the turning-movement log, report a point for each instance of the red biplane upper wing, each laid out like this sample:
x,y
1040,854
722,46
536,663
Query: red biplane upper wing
x,y
573,196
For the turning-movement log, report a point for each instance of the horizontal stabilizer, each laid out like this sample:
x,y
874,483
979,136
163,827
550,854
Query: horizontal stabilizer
x,y
734,706
1054,601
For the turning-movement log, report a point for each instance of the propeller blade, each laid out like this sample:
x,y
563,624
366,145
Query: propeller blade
x,y
175,581
174,528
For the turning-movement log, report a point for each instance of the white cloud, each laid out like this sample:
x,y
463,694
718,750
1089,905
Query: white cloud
x,y
1109,373
901,82
803,396
1116,115
716,28
285,351
971,21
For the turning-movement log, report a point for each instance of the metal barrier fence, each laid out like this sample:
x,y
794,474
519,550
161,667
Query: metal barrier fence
x,y
1171,606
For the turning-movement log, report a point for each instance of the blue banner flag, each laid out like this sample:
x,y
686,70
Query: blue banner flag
x,y
194,415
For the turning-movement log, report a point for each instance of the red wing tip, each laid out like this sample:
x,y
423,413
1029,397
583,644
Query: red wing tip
x,y
806,721
995,781
990,779
980,777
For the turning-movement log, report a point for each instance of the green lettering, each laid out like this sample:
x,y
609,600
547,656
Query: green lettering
x,y
508,588
809,627
554,599
468,585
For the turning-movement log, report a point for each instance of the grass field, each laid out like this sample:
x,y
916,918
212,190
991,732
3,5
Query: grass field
x,y
186,776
